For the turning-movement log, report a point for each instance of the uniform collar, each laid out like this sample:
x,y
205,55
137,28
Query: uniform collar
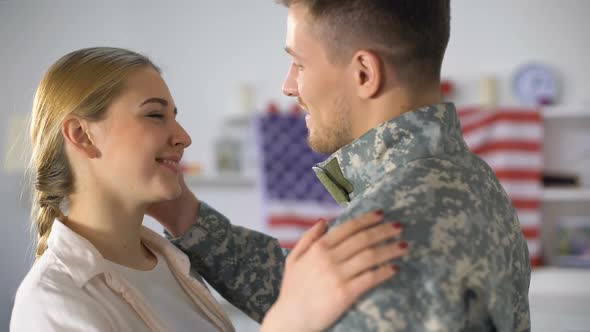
x,y
425,132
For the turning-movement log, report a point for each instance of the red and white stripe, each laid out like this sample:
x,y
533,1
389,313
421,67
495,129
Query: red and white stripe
x,y
510,140
287,221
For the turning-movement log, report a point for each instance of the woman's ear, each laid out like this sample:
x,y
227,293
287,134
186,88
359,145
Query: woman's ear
x,y
368,73
76,133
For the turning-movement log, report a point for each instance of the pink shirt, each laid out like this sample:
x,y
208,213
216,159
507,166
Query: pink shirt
x,y
73,288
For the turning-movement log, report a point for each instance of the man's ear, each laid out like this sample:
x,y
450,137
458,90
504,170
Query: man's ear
x,y
76,133
368,70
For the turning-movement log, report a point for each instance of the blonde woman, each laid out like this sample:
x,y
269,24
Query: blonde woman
x,y
106,146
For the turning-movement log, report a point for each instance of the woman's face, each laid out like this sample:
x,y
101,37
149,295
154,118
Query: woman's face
x,y
140,143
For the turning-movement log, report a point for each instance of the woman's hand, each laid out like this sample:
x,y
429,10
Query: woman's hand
x,y
326,273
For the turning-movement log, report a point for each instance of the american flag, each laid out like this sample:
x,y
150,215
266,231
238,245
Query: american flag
x,y
510,141
293,197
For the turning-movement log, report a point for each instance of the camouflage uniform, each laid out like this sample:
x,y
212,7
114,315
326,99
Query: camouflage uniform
x,y
468,267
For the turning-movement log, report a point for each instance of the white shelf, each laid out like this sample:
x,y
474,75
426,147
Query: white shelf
x,y
566,112
566,195
560,281
221,180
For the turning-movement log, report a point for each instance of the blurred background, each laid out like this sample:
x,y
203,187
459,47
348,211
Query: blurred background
x,y
518,72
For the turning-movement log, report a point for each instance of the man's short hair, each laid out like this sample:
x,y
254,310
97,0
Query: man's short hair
x,y
411,35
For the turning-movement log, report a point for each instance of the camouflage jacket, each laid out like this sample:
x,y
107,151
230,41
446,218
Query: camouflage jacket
x,y
468,268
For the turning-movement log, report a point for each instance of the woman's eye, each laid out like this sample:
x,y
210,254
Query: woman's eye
x,y
156,115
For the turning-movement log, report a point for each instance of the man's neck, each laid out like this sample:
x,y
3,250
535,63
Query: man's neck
x,y
111,226
390,105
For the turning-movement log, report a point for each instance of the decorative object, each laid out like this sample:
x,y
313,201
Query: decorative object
x,y
488,93
572,239
535,85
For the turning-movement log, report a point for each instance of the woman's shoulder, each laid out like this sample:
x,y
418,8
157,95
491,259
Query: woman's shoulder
x,y
48,297
48,274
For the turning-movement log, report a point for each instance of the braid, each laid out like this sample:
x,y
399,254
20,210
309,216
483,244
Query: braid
x,y
46,214
53,183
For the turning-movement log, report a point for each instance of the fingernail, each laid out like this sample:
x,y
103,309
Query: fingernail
x,y
379,213
395,268
403,245
397,225
321,220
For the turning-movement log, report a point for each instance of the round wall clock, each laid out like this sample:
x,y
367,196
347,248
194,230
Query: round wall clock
x,y
535,84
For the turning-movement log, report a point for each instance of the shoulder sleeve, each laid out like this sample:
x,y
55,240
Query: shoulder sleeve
x,y
244,266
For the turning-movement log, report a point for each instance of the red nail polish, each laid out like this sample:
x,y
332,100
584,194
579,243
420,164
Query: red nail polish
x,y
379,213
395,268
403,245
397,225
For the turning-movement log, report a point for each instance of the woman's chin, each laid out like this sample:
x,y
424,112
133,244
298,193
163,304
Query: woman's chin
x,y
169,193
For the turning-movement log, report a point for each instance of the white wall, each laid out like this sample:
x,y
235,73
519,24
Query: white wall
x,y
207,48
495,37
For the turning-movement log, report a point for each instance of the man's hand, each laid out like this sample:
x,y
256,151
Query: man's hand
x,y
179,214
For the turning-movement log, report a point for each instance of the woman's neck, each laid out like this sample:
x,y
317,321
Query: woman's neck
x,y
112,227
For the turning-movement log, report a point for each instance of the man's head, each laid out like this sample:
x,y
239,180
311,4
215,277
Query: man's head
x,y
350,52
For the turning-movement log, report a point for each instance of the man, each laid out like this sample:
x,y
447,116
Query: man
x,y
368,74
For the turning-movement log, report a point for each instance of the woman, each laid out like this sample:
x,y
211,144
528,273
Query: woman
x,y
106,146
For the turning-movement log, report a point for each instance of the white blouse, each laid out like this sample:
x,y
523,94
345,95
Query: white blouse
x,y
73,288
162,291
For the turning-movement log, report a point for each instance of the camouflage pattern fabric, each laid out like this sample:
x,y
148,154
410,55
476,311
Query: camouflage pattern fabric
x,y
244,266
468,268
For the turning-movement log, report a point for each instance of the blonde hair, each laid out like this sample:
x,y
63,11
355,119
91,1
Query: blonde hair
x,y
82,83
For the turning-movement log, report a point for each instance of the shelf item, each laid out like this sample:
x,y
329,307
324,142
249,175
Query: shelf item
x,y
563,194
560,180
572,241
535,84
